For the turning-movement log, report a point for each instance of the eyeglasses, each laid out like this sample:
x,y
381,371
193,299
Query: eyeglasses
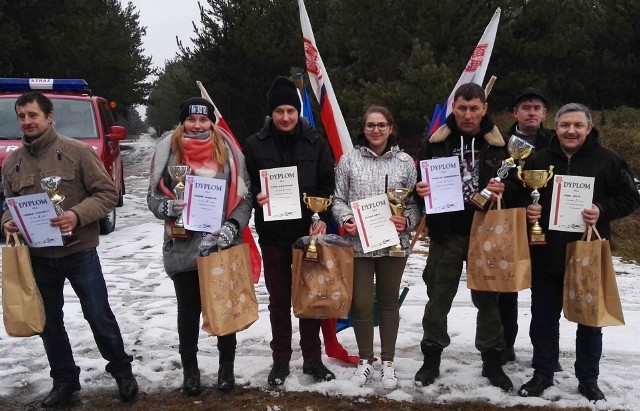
x,y
372,126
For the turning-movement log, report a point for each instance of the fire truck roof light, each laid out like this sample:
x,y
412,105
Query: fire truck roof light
x,y
25,84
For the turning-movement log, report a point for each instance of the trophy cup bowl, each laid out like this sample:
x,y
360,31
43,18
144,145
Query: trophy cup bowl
x,y
51,185
317,205
518,149
179,173
397,198
535,179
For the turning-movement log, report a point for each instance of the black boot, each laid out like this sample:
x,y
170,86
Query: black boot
x,y
226,378
127,385
492,369
508,354
191,383
430,369
591,391
60,394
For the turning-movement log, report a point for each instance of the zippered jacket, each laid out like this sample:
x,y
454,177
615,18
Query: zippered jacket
x,y
86,185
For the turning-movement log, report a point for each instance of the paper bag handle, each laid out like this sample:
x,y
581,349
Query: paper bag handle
x,y
497,204
588,234
15,238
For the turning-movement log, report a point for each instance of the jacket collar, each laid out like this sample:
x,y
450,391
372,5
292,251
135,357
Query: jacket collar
x,y
46,139
493,137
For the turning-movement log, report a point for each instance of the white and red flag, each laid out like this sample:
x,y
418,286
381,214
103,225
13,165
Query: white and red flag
x,y
332,120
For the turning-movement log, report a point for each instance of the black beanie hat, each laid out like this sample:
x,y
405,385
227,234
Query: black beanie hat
x,y
196,105
282,91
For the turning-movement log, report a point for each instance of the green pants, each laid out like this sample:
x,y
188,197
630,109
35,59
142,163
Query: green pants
x,y
388,274
442,277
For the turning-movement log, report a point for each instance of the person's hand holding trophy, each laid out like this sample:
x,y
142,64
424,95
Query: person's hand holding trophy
x,y
535,179
179,174
51,185
397,198
317,205
518,150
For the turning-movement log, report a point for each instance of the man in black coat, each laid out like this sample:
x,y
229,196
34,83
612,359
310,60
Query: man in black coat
x,y
288,140
529,111
575,151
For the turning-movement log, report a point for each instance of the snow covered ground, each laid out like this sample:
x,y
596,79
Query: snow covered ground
x,y
143,300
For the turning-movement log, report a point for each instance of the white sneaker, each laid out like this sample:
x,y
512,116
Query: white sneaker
x,y
389,379
363,372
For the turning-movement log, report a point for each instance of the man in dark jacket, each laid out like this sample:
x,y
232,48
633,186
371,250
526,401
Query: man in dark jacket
x,y
89,195
470,135
288,140
575,151
529,111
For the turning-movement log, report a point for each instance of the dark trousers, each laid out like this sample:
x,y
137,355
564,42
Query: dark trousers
x,y
508,305
84,272
546,306
277,277
189,310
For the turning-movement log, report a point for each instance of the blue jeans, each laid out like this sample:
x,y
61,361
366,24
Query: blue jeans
x,y
84,272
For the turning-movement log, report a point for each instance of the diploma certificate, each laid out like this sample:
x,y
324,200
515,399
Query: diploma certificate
x,y
571,195
281,186
443,175
372,216
205,201
32,214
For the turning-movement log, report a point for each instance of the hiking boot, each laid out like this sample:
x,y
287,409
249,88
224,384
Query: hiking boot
x,y
535,386
317,370
60,394
492,370
278,374
508,354
389,379
363,373
226,378
430,369
127,386
591,391
191,376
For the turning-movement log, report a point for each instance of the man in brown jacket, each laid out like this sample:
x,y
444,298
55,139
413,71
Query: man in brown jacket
x,y
89,195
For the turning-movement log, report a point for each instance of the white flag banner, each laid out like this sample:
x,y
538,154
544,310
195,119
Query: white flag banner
x,y
477,66
332,119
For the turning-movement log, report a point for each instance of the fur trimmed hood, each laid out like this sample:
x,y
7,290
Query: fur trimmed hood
x,y
492,136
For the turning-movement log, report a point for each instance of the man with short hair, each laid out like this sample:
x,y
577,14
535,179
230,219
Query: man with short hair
x,y
470,135
529,111
89,196
576,151
285,140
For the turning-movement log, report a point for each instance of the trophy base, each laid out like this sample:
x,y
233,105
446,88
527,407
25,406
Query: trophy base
x,y
537,239
397,253
179,232
70,239
480,202
311,256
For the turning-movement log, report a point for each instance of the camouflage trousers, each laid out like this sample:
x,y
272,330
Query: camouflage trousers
x,y
442,277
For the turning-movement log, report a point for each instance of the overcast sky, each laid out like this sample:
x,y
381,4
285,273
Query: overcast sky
x,y
164,20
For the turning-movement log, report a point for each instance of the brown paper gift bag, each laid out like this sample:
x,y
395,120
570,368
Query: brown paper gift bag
x,y
590,290
22,308
227,295
324,288
498,258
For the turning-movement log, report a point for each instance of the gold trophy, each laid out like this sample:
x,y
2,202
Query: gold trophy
x,y
397,198
518,150
51,185
179,174
317,205
535,179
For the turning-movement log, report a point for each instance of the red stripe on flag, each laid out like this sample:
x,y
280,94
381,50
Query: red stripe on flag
x,y
329,122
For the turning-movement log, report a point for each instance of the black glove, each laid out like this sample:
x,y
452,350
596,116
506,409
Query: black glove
x,y
228,233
